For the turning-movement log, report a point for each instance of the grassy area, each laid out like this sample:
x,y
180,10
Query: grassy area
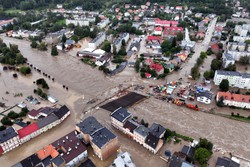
x,y
11,11
61,22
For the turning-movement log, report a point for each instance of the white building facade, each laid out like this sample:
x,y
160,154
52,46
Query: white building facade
x,y
236,79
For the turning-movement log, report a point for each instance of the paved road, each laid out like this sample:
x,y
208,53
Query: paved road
x,y
199,47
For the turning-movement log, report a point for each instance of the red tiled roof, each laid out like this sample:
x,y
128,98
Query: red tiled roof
x,y
156,67
234,97
33,113
174,28
147,75
151,38
162,22
215,46
1,150
158,28
27,130
174,22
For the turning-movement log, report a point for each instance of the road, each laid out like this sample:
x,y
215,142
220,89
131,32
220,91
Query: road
x,y
199,47
91,83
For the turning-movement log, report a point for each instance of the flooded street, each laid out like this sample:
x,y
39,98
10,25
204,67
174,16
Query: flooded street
x,y
86,83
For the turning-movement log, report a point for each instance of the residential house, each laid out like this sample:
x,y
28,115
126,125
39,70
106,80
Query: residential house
x,y
119,117
103,23
200,35
227,59
188,151
226,162
62,113
240,38
27,133
122,160
237,100
140,134
32,160
45,111
157,67
72,151
104,143
98,40
87,127
54,38
178,159
118,42
215,48
236,79
129,127
170,32
158,31
34,114
103,59
204,97
46,154
153,143
69,43
4,23
77,22
9,140
47,123
157,130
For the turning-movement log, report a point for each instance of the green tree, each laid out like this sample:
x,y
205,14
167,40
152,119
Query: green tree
x,y
13,115
174,42
220,103
64,38
106,46
54,51
33,44
179,36
137,65
75,38
122,51
114,50
216,64
195,72
244,60
224,85
25,70
206,75
202,155
230,67
42,46
6,121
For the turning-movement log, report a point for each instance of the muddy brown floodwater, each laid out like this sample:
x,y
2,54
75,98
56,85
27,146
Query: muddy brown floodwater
x,y
90,83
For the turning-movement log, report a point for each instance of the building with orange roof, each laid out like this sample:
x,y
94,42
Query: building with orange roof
x,y
236,100
46,152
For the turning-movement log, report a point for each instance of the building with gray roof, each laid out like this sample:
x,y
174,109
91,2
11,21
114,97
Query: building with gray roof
x,y
101,137
42,123
236,79
157,130
119,117
8,140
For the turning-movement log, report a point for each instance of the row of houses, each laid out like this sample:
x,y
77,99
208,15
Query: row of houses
x,y
118,42
102,140
11,138
99,56
236,79
236,100
98,40
24,33
150,138
67,151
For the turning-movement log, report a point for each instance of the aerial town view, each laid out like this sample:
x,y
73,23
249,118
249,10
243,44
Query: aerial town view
x,y
124,83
